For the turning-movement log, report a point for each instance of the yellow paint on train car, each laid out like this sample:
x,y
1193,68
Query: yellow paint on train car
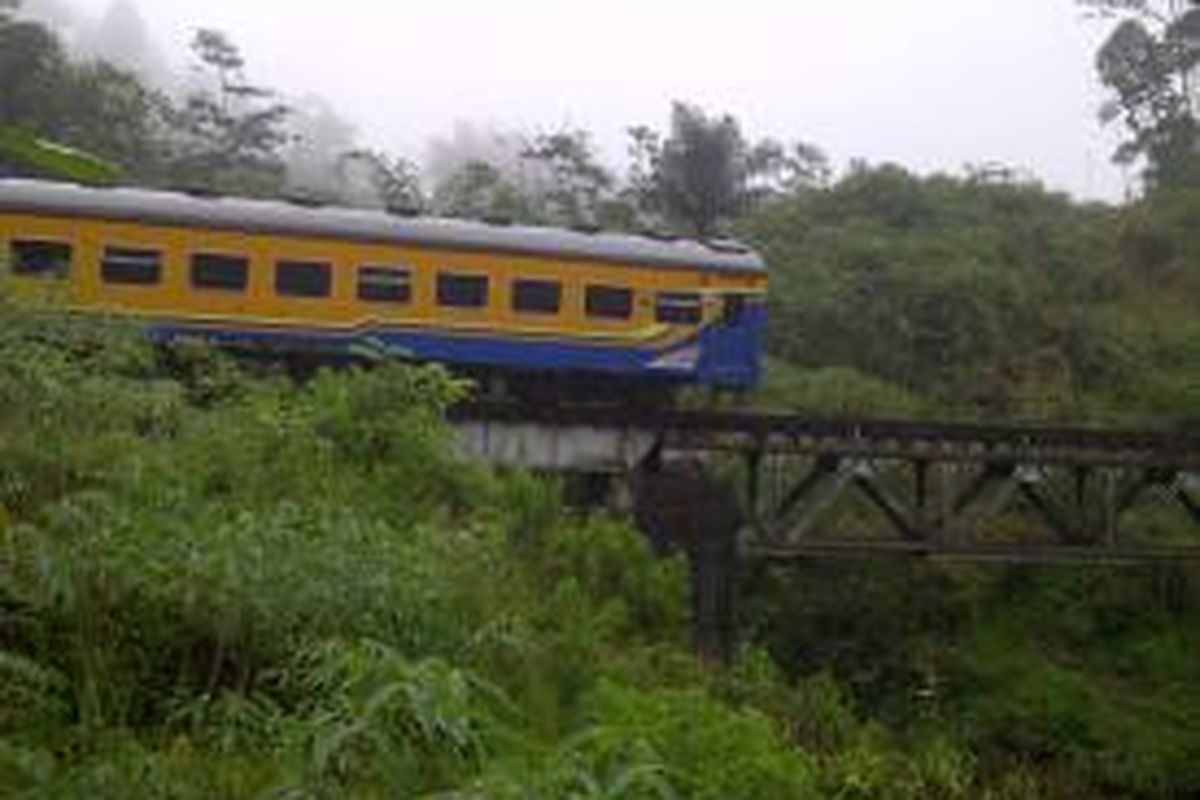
x,y
174,297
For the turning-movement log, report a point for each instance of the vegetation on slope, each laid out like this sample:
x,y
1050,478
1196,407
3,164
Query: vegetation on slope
x,y
983,298
226,585
221,584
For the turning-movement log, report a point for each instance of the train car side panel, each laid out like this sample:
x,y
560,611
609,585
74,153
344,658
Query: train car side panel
x,y
657,323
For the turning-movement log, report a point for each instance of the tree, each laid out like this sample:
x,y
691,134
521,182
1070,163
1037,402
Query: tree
x,y
228,135
774,170
641,182
548,179
705,172
577,182
479,190
90,105
1149,64
108,111
316,156
396,180
702,169
31,71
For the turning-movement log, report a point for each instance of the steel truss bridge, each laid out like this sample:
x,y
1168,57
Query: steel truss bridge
x,y
733,486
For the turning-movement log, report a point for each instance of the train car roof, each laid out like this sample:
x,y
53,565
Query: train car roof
x,y
297,219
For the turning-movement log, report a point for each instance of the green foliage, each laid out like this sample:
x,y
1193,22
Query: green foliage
x,y
214,583
27,153
1011,682
217,584
1149,65
833,390
226,136
478,190
548,179
88,105
110,112
375,717
1107,732
31,62
663,744
972,297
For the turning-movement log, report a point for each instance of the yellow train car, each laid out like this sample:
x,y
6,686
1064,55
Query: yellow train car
x,y
327,281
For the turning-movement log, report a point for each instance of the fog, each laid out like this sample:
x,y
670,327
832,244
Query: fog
x,y
931,84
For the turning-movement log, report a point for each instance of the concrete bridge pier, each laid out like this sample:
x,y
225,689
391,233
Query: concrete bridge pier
x,y
680,506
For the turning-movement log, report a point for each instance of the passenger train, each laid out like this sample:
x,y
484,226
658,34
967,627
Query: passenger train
x,y
605,309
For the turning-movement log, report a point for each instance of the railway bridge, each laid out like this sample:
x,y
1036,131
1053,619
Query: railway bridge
x,y
732,488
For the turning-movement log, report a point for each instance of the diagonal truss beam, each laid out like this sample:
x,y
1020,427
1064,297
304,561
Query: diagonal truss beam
x,y
929,506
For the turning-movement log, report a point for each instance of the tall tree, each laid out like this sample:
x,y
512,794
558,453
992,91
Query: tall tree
x,y
1150,65
31,71
396,180
702,169
642,180
229,133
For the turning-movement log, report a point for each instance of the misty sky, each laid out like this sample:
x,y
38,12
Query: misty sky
x,y
932,84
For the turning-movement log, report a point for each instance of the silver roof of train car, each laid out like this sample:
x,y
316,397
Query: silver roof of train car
x,y
289,218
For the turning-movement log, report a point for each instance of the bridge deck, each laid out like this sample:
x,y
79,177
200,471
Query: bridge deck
x,y
797,433
810,487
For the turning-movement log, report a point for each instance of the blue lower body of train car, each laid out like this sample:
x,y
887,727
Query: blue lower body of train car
x,y
723,354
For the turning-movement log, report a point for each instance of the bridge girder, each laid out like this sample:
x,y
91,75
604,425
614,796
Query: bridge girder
x,y
836,487
831,505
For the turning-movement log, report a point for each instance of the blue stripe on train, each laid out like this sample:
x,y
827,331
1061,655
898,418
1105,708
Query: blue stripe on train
x,y
721,355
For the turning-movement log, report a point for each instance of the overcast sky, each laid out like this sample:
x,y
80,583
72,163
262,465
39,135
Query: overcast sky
x,y
932,84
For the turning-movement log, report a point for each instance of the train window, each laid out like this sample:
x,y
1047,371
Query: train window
x,y
212,271
462,291
609,302
384,284
40,259
131,266
678,308
536,297
303,279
